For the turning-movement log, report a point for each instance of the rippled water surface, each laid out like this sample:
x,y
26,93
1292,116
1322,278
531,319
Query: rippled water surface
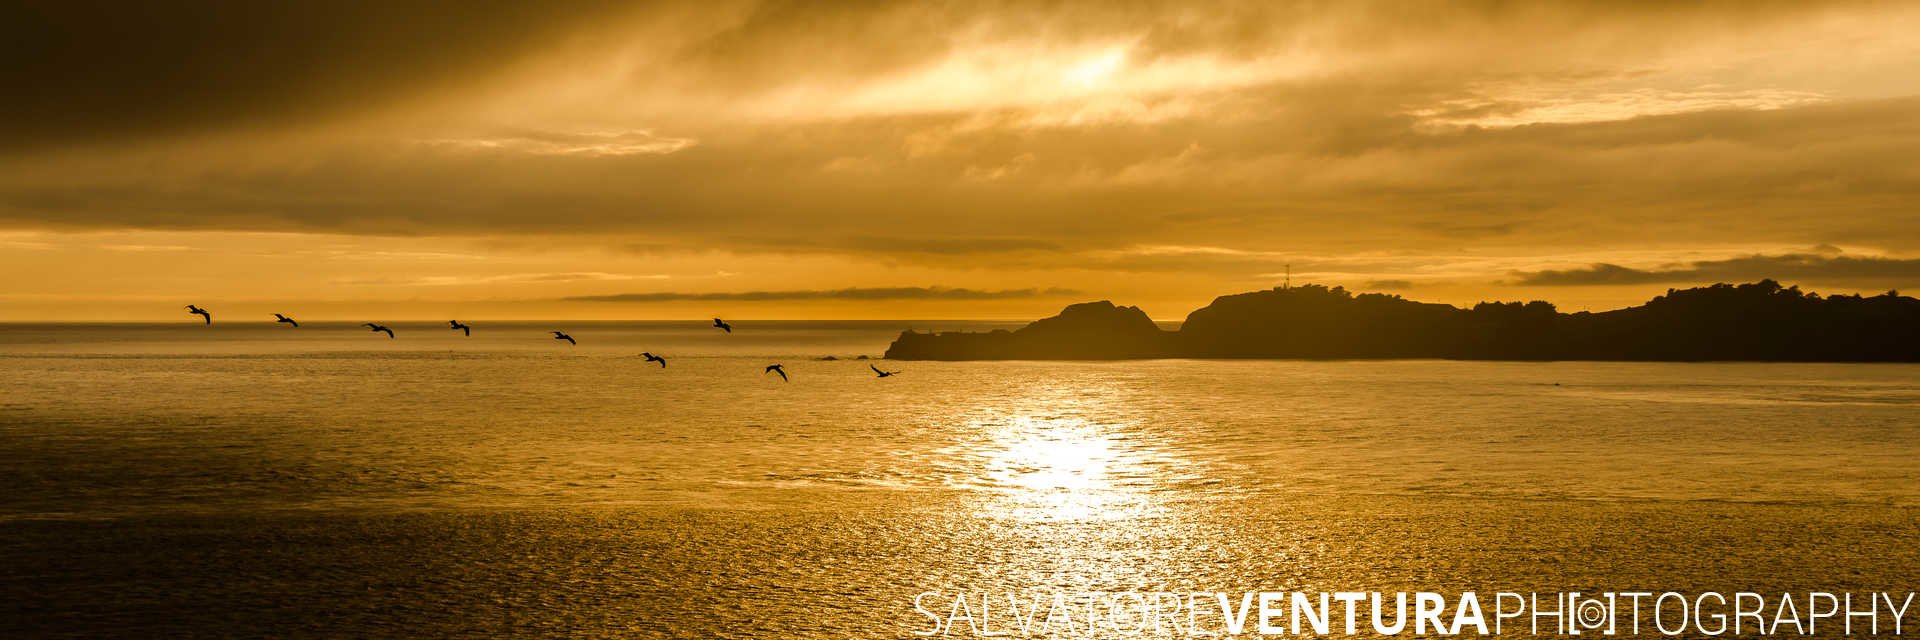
x,y
261,480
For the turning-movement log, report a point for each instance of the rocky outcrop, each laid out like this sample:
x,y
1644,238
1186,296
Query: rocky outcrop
x,y
1086,331
1758,321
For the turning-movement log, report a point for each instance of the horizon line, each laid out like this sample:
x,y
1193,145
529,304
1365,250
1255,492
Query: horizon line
x,y
1023,318
706,321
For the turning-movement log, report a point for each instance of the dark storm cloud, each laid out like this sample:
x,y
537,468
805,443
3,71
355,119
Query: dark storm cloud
x,y
1792,266
1597,274
856,293
92,71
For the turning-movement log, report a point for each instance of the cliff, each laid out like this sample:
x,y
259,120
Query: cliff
x,y
1759,321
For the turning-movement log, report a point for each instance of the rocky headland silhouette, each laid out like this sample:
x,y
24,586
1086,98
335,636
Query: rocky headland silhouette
x,y
1761,321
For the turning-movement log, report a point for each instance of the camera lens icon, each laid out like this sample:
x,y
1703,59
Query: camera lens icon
x,y
1594,613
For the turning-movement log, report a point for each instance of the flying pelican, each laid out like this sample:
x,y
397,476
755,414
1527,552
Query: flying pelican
x,y
653,358
774,368
561,336
722,325
203,313
455,324
877,371
378,328
286,320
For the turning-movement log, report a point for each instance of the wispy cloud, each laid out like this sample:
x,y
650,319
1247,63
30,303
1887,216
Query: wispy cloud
x,y
146,247
1566,106
506,278
552,143
1814,266
23,241
854,293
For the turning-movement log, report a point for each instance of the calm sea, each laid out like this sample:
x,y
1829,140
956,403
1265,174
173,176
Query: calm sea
x,y
260,480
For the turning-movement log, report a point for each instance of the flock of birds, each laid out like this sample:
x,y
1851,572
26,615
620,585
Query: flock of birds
x,y
467,330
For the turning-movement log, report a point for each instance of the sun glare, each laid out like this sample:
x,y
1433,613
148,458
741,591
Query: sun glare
x,y
1090,73
1060,468
1044,462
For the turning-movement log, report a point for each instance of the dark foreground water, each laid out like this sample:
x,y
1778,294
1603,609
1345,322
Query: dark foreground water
x,y
181,481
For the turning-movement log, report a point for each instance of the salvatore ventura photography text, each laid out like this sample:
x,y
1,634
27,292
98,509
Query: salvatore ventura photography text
x,y
1414,614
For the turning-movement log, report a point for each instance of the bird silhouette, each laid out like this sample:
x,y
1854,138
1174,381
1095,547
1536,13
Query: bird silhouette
x,y
561,336
722,325
653,358
774,368
378,328
877,371
455,324
203,313
285,320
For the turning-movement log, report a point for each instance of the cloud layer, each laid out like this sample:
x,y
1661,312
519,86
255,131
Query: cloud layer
x,y
1132,150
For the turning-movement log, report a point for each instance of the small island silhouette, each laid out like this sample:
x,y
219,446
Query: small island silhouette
x,y
1762,321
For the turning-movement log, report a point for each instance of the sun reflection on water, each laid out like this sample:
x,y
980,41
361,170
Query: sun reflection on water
x,y
1063,468
1051,456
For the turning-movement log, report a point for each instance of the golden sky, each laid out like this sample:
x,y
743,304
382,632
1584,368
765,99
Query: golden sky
x,y
415,160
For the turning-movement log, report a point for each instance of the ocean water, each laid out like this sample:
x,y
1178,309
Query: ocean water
x,y
258,480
